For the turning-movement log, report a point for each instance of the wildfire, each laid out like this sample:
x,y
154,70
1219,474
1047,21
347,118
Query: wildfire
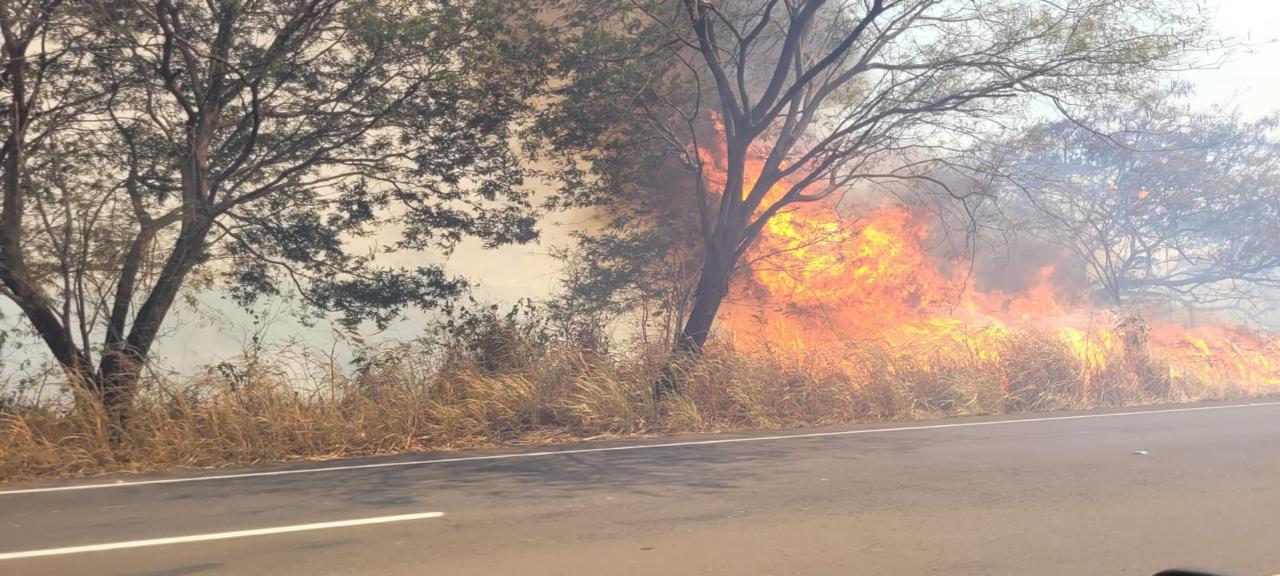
x,y
817,276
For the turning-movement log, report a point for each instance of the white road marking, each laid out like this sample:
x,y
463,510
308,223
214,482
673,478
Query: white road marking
x,y
124,483
218,536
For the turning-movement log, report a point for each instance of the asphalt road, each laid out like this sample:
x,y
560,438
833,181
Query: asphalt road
x,y
1089,493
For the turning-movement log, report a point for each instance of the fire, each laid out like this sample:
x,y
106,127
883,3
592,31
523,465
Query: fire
x,y
817,256
812,258
817,277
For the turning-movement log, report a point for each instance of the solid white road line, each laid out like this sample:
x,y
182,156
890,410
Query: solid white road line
x,y
218,536
122,483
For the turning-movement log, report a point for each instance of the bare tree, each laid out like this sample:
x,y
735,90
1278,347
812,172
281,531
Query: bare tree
x,y
813,96
1172,204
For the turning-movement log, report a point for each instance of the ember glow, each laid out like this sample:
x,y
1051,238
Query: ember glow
x,y
818,279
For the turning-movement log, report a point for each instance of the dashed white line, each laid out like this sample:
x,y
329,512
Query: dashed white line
x,y
218,536
403,463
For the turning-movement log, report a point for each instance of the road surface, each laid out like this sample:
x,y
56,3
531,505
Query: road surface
x,y
1118,492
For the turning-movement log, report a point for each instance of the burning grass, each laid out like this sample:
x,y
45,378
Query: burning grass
x,y
280,407
834,320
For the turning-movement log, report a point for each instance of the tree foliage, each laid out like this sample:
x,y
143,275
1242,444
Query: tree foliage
x,y
285,147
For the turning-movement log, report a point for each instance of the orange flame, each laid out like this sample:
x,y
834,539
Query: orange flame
x,y
817,276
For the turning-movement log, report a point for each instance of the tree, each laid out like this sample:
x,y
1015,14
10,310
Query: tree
x,y
814,96
641,260
637,250
1173,204
280,145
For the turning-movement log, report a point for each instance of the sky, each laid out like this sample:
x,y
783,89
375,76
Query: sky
x,y
1249,80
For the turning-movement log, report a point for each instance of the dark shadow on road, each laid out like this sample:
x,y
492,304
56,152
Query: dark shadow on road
x,y
184,570
702,469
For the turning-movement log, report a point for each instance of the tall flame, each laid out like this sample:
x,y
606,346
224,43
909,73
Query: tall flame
x,y
818,276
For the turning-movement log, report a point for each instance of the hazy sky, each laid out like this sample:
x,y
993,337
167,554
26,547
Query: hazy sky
x,y
1251,79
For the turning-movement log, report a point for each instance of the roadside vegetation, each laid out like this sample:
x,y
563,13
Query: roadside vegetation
x,y
511,383
788,214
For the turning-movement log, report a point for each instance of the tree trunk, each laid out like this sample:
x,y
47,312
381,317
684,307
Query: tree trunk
x,y
117,380
121,365
713,286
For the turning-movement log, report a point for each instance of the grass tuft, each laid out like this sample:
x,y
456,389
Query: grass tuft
x,y
288,406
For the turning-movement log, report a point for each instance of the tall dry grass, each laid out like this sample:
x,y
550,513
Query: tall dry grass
x,y
272,406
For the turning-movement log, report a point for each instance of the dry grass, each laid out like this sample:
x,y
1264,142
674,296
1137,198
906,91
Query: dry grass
x,y
287,407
